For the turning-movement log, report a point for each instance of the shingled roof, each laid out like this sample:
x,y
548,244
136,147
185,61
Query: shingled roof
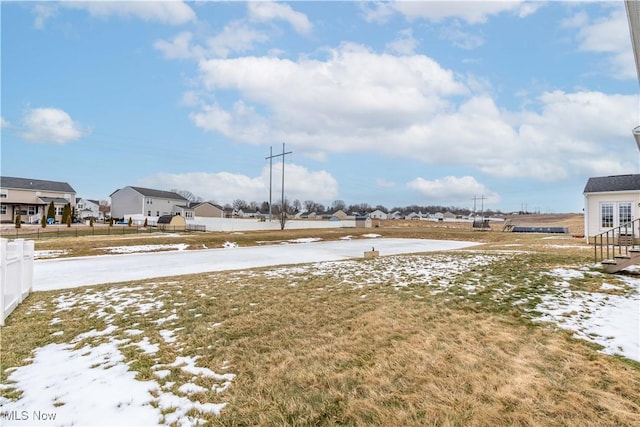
x,y
35,184
148,192
604,184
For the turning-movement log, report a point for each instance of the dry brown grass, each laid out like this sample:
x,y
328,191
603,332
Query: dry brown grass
x,y
91,245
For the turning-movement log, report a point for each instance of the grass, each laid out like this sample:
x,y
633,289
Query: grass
x,y
442,339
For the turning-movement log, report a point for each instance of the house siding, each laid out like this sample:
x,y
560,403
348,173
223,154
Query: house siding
x,y
129,201
25,201
593,202
208,210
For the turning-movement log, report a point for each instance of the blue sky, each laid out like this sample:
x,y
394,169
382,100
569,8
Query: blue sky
x,y
385,103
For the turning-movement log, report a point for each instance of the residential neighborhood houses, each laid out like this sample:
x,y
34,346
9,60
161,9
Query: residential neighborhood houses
x,y
609,202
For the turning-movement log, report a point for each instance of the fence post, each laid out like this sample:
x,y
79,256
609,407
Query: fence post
x,y
28,255
3,276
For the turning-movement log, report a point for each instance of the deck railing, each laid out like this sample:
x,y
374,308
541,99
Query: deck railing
x,y
616,242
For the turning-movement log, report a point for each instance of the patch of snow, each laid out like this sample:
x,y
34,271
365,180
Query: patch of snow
x,y
147,347
80,387
371,235
190,388
612,321
305,240
49,254
229,245
145,248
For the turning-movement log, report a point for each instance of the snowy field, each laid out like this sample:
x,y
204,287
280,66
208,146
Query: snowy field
x,y
50,274
86,380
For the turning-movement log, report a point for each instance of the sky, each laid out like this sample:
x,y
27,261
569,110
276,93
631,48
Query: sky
x,y
501,105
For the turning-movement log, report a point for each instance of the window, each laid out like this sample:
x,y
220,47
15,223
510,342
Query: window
x,y
32,210
157,213
3,209
606,215
149,201
4,193
59,210
148,213
624,213
188,214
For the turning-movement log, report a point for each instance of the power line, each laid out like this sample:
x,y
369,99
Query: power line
x,y
270,158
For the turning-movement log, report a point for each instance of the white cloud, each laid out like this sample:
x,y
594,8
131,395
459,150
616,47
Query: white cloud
x,y
50,125
472,12
43,12
4,123
405,44
358,101
460,38
236,37
453,190
225,187
610,36
265,11
179,47
174,12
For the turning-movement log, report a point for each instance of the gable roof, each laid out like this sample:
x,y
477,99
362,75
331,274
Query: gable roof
x,y
149,192
613,183
35,184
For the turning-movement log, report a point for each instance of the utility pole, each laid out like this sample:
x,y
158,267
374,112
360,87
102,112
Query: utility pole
x,y
271,156
270,177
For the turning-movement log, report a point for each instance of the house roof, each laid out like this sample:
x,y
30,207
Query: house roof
x,y
149,192
55,200
603,184
194,205
35,184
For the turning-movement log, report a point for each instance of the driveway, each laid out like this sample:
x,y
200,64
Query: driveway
x,y
66,273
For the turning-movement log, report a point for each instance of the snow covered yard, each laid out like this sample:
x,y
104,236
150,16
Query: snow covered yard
x,y
189,350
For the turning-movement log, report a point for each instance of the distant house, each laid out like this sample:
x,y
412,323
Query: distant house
x,y
395,215
610,201
378,214
86,208
363,221
129,201
31,198
339,215
208,210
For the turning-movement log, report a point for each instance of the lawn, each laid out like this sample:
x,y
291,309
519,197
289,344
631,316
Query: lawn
x,y
498,334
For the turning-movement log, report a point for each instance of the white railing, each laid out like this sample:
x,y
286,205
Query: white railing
x,y
16,274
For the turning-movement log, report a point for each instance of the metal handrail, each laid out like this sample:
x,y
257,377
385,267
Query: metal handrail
x,y
609,244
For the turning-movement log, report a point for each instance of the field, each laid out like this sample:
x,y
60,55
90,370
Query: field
x,y
468,337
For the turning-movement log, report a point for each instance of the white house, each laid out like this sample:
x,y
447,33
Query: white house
x,y
378,214
87,208
129,201
610,201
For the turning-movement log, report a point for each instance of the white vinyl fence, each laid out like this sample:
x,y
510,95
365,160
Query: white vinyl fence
x,y
16,274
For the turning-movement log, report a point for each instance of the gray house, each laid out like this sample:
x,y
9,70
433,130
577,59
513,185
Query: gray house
x,y
130,201
31,197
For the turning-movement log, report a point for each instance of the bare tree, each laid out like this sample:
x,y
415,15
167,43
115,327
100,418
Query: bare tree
x,y
104,208
239,204
338,205
188,195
